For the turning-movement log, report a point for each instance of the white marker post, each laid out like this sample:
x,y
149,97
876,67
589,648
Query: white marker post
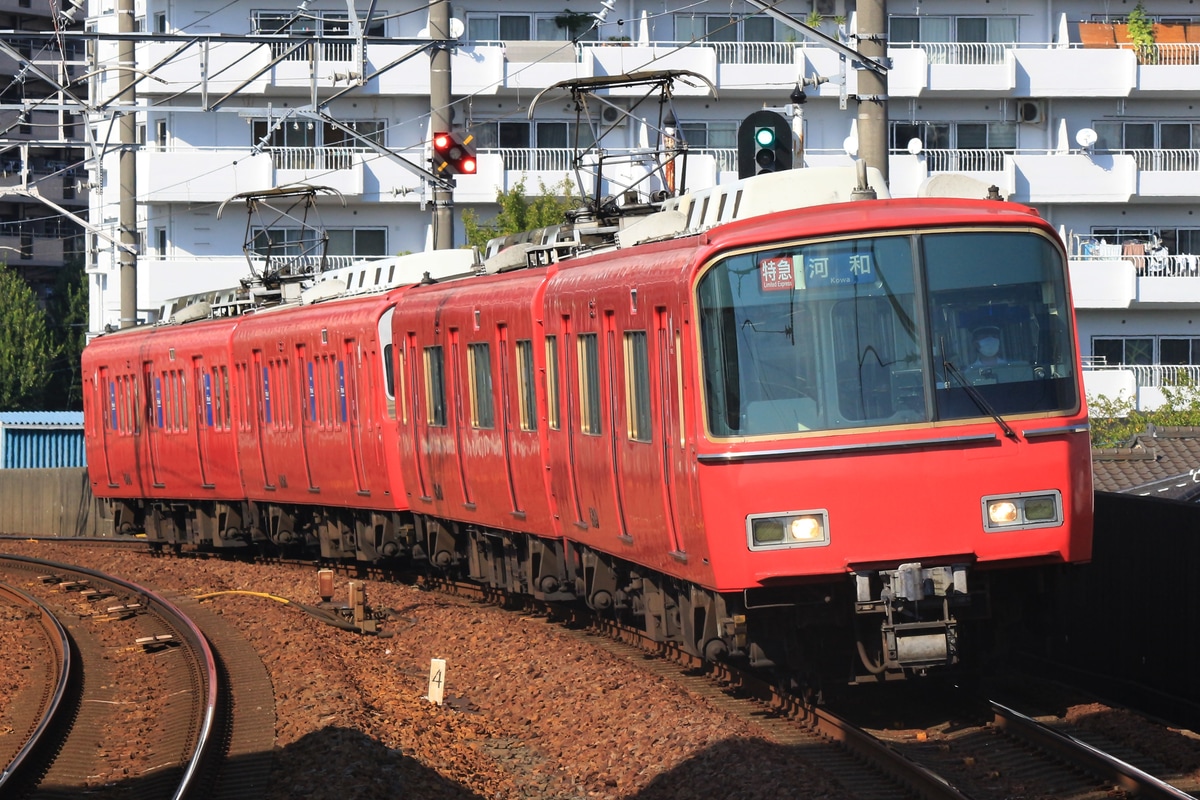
x,y
437,680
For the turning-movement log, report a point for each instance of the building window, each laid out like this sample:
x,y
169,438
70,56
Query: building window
x,y
560,27
479,376
957,146
710,134
637,386
721,28
1179,351
1123,351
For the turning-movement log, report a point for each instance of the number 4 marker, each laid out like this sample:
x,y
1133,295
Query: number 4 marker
x,y
437,680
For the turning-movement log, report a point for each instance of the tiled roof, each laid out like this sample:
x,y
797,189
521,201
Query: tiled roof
x,y
1162,462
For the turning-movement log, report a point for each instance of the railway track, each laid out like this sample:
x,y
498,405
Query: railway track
x,y
978,752
145,715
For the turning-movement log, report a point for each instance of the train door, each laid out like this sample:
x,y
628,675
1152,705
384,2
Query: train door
x,y
154,426
461,420
419,416
670,419
614,426
204,419
572,419
308,410
106,412
348,371
506,417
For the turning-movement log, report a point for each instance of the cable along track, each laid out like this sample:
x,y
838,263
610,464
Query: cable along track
x,y
148,687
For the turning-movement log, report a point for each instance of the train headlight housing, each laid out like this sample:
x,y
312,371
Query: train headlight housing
x,y
1022,511
788,529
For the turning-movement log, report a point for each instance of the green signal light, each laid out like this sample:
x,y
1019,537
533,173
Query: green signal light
x,y
764,137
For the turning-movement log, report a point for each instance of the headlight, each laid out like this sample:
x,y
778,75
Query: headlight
x,y
1022,511
789,529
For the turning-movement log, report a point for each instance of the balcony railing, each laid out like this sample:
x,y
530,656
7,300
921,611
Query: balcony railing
x,y
962,52
1154,376
965,160
521,159
314,158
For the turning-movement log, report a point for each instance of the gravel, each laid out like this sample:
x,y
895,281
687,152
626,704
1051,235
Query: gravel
x,y
531,712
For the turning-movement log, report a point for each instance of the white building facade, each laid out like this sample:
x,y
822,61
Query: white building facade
x,y
1100,135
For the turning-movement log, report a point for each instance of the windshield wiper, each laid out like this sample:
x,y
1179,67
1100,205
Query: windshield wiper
x,y
979,399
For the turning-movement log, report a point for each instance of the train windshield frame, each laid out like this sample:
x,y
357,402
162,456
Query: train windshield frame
x,y
886,329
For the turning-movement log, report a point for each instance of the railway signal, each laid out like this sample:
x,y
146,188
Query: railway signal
x,y
764,144
452,156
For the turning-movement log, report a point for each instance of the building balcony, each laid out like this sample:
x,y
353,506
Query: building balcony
x,y
1146,386
1001,69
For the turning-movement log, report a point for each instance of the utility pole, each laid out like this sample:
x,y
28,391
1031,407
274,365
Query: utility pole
x,y
872,86
127,161
439,117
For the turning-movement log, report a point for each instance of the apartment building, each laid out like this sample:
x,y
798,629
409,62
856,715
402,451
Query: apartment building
x,y
1054,103
41,142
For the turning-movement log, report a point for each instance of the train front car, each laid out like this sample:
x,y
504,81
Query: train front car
x,y
894,439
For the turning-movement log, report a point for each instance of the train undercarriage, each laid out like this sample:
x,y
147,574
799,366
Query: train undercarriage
x,y
871,626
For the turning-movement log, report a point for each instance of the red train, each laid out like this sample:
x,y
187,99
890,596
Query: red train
x,y
838,435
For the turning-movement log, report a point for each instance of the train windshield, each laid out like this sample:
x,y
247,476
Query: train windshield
x,y
886,330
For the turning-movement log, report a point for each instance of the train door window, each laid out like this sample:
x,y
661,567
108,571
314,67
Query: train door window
x,y
314,391
526,396
479,376
389,380
268,417
589,384
157,389
343,412
242,370
552,417
435,386
637,387
207,402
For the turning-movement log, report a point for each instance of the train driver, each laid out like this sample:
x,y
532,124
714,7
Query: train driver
x,y
987,348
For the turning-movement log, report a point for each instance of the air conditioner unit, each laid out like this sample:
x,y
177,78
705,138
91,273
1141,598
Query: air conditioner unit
x,y
1031,112
611,116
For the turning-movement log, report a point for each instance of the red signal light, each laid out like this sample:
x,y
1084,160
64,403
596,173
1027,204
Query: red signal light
x,y
453,157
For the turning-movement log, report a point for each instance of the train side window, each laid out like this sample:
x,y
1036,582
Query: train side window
x,y
526,397
479,376
435,386
637,387
552,417
589,384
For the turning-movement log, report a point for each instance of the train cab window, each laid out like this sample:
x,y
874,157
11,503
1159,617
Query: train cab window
x,y
828,335
479,376
526,395
1000,324
637,387
589,384
812,337
435,386
552,417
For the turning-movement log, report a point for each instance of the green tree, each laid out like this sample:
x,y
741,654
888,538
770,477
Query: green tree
x,y
26,346
1114,423
67,311
519,212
